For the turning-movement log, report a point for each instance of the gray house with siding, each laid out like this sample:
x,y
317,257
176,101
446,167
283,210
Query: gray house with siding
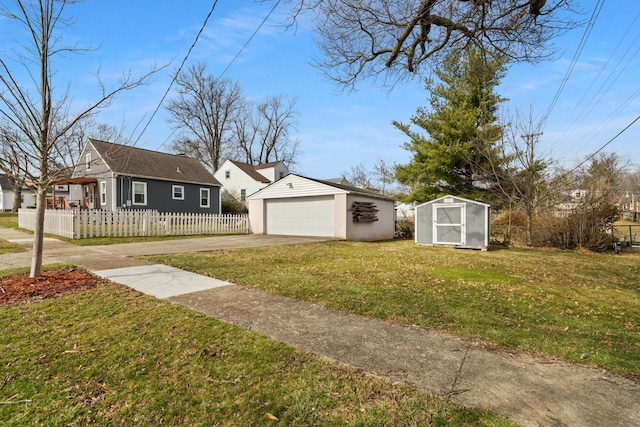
x,y
135,178
453,221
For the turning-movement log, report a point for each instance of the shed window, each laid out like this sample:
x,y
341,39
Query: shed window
x,y
204,197
139,193
178,192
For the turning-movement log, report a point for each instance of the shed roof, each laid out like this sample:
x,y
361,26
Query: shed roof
x,y
143,163
441,199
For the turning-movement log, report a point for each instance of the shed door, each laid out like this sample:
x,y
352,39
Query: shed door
x,y
448,224
301,216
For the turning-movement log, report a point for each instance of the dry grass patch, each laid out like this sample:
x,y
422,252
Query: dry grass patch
x,y
582,307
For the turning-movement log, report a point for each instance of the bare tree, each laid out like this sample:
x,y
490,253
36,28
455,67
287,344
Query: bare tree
x,y
30,104
518,169
384,173
359,176
12,163
204,111
393,39
606,174
263,133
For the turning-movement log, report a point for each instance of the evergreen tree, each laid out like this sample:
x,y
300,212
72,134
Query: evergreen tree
x,y
461,130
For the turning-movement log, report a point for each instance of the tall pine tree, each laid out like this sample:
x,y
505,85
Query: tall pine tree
x,y
461,130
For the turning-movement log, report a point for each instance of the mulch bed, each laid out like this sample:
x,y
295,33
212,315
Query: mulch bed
x,y
51,284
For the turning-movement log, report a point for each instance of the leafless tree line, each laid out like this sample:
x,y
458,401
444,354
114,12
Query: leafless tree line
x,y
215,121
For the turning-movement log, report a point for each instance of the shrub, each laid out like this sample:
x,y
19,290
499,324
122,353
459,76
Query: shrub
x,y
405,229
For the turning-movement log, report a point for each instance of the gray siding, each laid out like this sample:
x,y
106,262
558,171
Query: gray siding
x,y
160,196
476,222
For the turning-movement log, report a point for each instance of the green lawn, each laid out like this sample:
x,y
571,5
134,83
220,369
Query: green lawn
x,y
582,307
8,219
112,356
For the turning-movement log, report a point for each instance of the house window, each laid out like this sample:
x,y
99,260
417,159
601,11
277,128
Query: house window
x,y
103,192
243,195
178,192
204,197
281,174
139,193
87,161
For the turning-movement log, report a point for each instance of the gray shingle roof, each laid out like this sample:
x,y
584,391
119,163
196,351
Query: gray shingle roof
x,y
143,163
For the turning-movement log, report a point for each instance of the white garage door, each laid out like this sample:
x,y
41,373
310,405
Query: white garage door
x,y
302,216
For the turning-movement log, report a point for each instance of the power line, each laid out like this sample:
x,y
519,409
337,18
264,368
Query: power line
x,y
592,155
250,39
175,76
583,41
230,63
594,98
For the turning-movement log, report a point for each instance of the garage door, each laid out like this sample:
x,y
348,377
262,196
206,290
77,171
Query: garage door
x,y
302,216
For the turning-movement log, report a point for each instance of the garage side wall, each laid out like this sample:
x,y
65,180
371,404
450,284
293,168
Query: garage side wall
x,y
342,214
256,216
382,229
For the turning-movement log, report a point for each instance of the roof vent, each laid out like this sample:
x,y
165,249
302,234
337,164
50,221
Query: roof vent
x,y
178,170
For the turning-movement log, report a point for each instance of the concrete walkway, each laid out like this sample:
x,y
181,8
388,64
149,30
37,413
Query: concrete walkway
x,y
530,391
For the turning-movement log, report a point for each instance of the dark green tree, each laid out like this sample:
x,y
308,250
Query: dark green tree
x,y
460,130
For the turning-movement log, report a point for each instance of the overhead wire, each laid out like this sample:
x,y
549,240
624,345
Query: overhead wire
x,y
583,41
250,39
175,76
244,46
581,116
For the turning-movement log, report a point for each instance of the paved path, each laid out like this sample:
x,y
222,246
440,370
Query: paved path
x,y
530,391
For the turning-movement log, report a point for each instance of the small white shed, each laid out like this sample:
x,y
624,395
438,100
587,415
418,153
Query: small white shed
x,y
453,221
299,206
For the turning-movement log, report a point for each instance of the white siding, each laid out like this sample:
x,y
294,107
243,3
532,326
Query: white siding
x,y
296,186
238,180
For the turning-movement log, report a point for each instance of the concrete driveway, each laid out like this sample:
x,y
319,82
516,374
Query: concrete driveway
x,y
206,244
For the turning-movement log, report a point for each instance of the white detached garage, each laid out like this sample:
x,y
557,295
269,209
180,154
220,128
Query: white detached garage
x,y
299,206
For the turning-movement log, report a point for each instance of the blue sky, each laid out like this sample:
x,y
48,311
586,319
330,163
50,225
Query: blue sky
x,y
338,131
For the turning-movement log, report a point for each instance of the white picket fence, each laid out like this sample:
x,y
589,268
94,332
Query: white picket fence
x,y
82,224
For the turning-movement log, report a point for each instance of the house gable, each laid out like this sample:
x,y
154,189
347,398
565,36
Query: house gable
x,y
112,159
130,177
242,179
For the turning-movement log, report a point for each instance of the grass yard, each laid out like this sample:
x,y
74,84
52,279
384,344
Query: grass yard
x,y
9,220
582,307
112,356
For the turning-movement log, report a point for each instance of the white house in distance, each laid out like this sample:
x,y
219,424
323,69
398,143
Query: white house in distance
x,y
242,179
302,206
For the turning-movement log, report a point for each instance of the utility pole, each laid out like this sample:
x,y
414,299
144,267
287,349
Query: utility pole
x,y
530,186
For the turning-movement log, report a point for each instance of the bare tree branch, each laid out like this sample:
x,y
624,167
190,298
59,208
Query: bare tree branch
x,y
395,39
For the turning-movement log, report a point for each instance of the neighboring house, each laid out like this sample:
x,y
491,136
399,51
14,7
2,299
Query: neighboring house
x,y
27,197
242,179
112,176
453,221
301,206
405,211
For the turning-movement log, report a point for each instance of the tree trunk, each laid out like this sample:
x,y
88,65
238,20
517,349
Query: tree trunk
x,y
38,234
17,198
